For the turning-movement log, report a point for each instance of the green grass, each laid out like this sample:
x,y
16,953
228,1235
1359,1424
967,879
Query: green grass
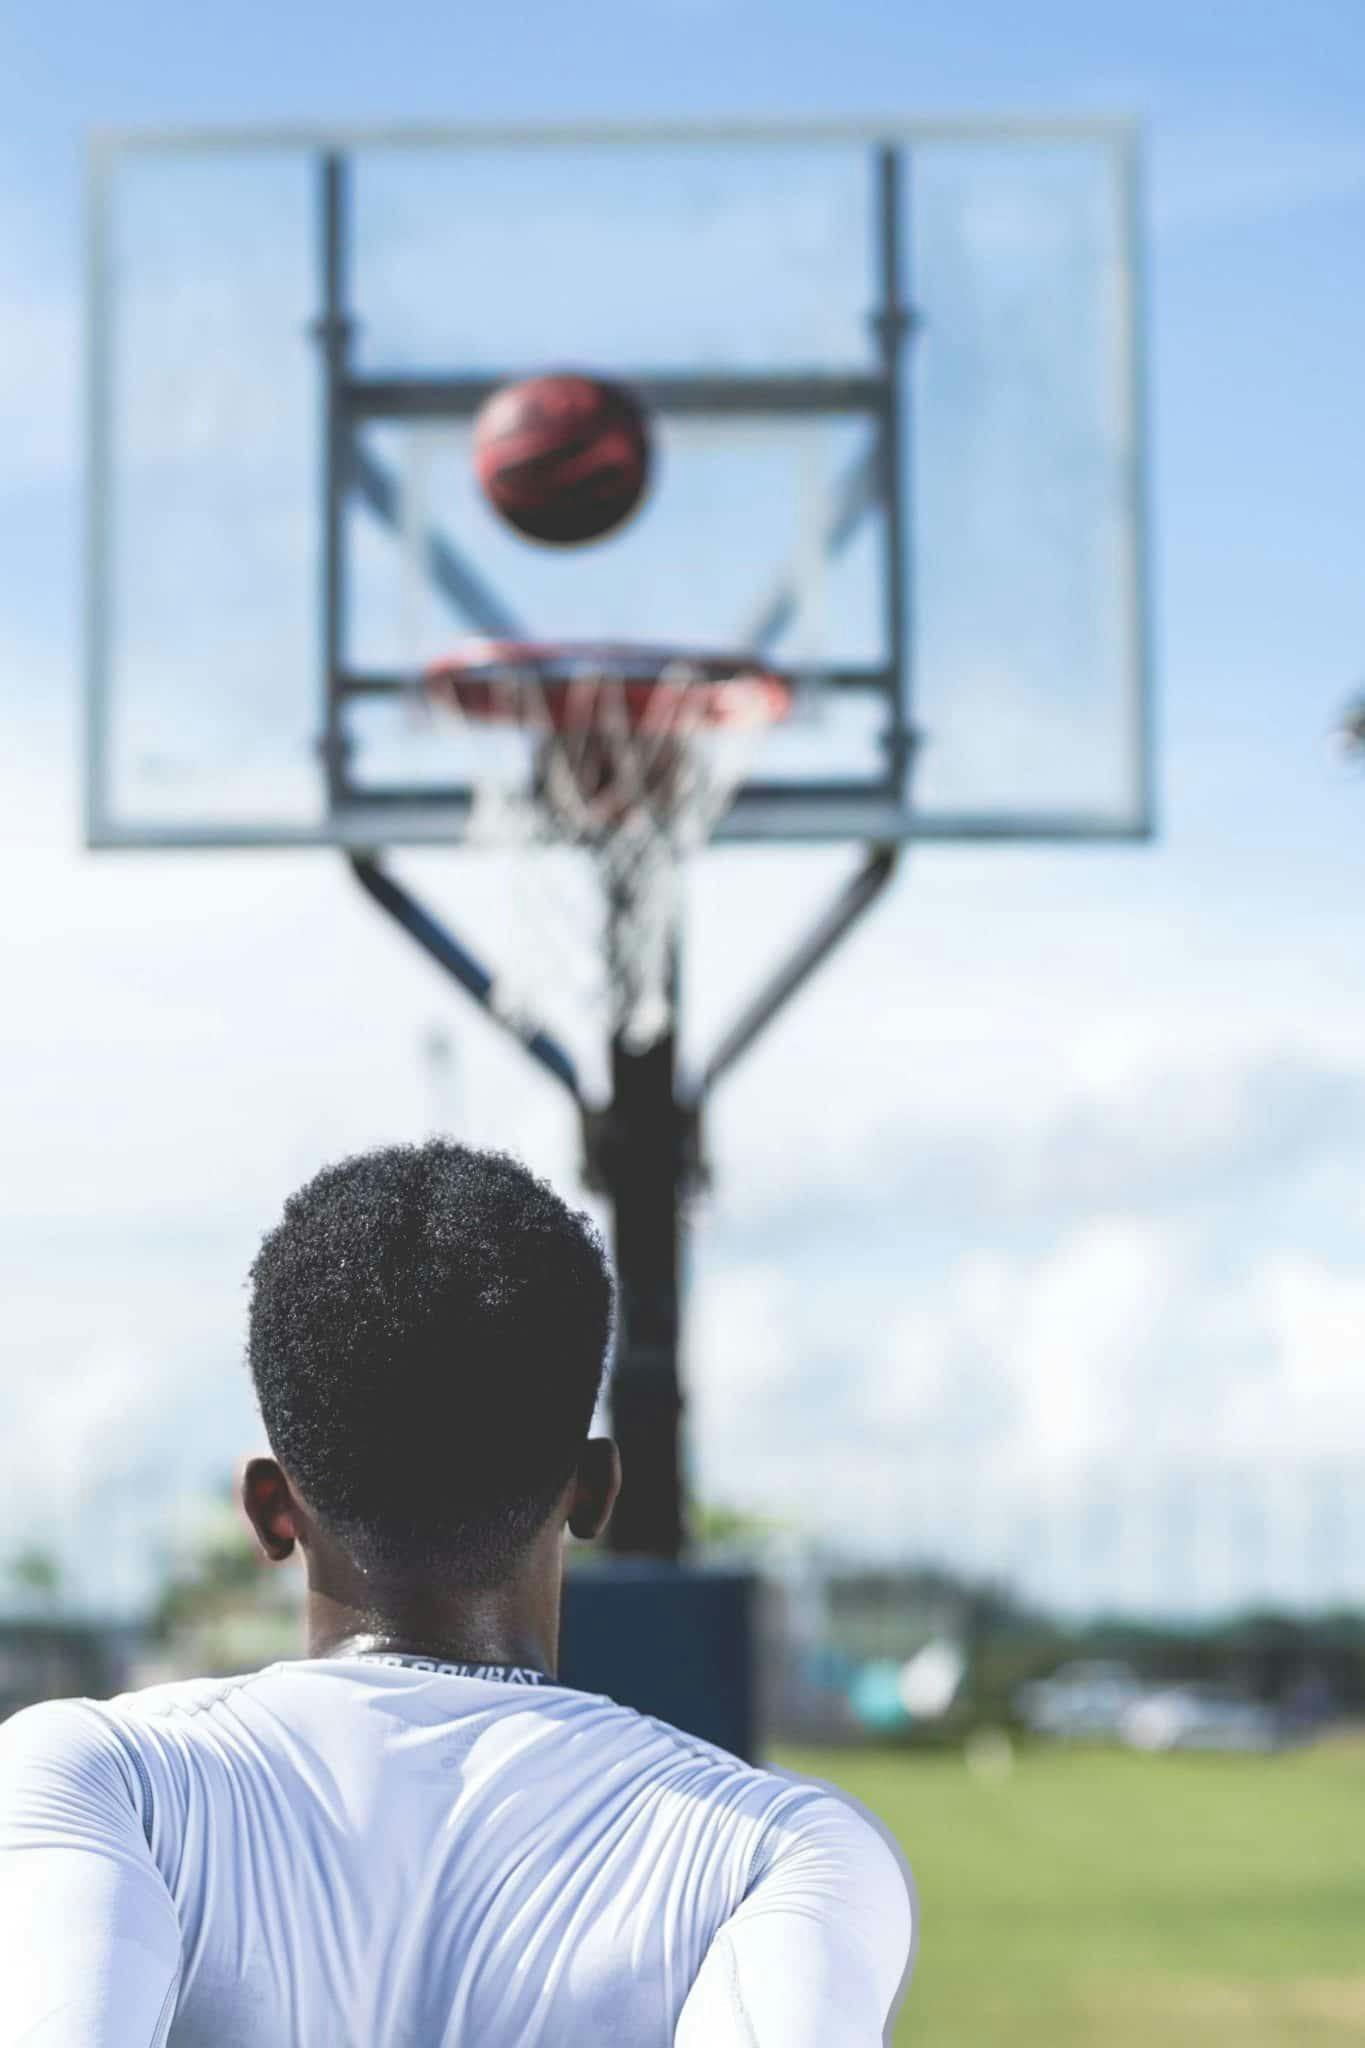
x,y
1100,1897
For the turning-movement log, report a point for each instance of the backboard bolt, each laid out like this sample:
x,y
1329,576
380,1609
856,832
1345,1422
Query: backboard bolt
x,y
895,323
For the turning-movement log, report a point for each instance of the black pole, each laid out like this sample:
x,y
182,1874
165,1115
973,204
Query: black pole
x,y
644,1159
644,1176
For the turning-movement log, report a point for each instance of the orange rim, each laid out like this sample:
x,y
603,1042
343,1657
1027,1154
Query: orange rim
x,y
574,681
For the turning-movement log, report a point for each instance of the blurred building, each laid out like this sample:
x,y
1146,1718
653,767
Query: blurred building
x,y
62,1659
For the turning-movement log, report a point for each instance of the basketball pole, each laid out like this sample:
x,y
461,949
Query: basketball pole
x,y
636,1158
643,1155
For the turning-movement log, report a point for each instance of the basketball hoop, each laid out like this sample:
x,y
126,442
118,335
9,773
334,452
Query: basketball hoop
x,y
632,755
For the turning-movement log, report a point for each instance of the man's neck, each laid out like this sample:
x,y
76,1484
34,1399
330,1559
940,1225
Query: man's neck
x,y
515,1624
453,1648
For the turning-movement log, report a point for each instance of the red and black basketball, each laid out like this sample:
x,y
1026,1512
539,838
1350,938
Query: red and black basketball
x,y
564,458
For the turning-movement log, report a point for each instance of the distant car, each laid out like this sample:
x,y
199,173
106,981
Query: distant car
x,y
1082,1702
1200,1717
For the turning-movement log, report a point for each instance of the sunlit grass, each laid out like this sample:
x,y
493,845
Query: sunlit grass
x,y
1101,1897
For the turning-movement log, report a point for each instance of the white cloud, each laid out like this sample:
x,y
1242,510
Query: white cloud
x,y
1086,1319
743,1338
1314,1314
1107,1420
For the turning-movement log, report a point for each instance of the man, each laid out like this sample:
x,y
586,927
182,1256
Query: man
x,y
413,1837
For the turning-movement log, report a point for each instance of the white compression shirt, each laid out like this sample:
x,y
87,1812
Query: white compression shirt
x,y
358,1853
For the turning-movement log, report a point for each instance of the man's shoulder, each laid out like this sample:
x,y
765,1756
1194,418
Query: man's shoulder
x,y
74,1730
756,1784
62,1750
814,1822
81,1732
134,1754
788,1817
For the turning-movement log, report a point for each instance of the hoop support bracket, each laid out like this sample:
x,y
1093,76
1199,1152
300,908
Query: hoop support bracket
x,y
462,966
858,893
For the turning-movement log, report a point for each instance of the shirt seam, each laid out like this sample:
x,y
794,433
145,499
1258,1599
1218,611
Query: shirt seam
x,y
143,1777
695,1747
751,2038
776,1813
191,1707
166,2014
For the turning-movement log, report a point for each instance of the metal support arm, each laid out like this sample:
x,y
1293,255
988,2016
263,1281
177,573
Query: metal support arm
x,y
855,897
461,965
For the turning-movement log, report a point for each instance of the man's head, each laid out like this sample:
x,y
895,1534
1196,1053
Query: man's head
x,y
428,1333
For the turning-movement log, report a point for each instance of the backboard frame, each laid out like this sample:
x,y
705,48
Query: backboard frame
x,y
877,811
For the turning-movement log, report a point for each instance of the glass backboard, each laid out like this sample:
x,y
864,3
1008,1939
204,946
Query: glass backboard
x,y
895,389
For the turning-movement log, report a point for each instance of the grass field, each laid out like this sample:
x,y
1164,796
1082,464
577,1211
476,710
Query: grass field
x,y
1105,1898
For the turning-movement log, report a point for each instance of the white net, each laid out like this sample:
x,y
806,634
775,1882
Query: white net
x,y
630,757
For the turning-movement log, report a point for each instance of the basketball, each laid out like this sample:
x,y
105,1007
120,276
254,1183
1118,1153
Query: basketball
x,y
563,458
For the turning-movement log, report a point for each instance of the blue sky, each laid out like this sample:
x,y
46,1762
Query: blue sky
x,y
1083,1211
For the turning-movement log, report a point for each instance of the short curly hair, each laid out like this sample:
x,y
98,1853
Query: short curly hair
x,y
428,1331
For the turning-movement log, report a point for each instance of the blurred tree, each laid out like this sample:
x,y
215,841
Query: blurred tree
x,y
216,1569
221,1608
714,1525
36,1576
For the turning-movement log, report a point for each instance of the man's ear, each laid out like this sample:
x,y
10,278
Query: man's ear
x,y
270,1508
595,1487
